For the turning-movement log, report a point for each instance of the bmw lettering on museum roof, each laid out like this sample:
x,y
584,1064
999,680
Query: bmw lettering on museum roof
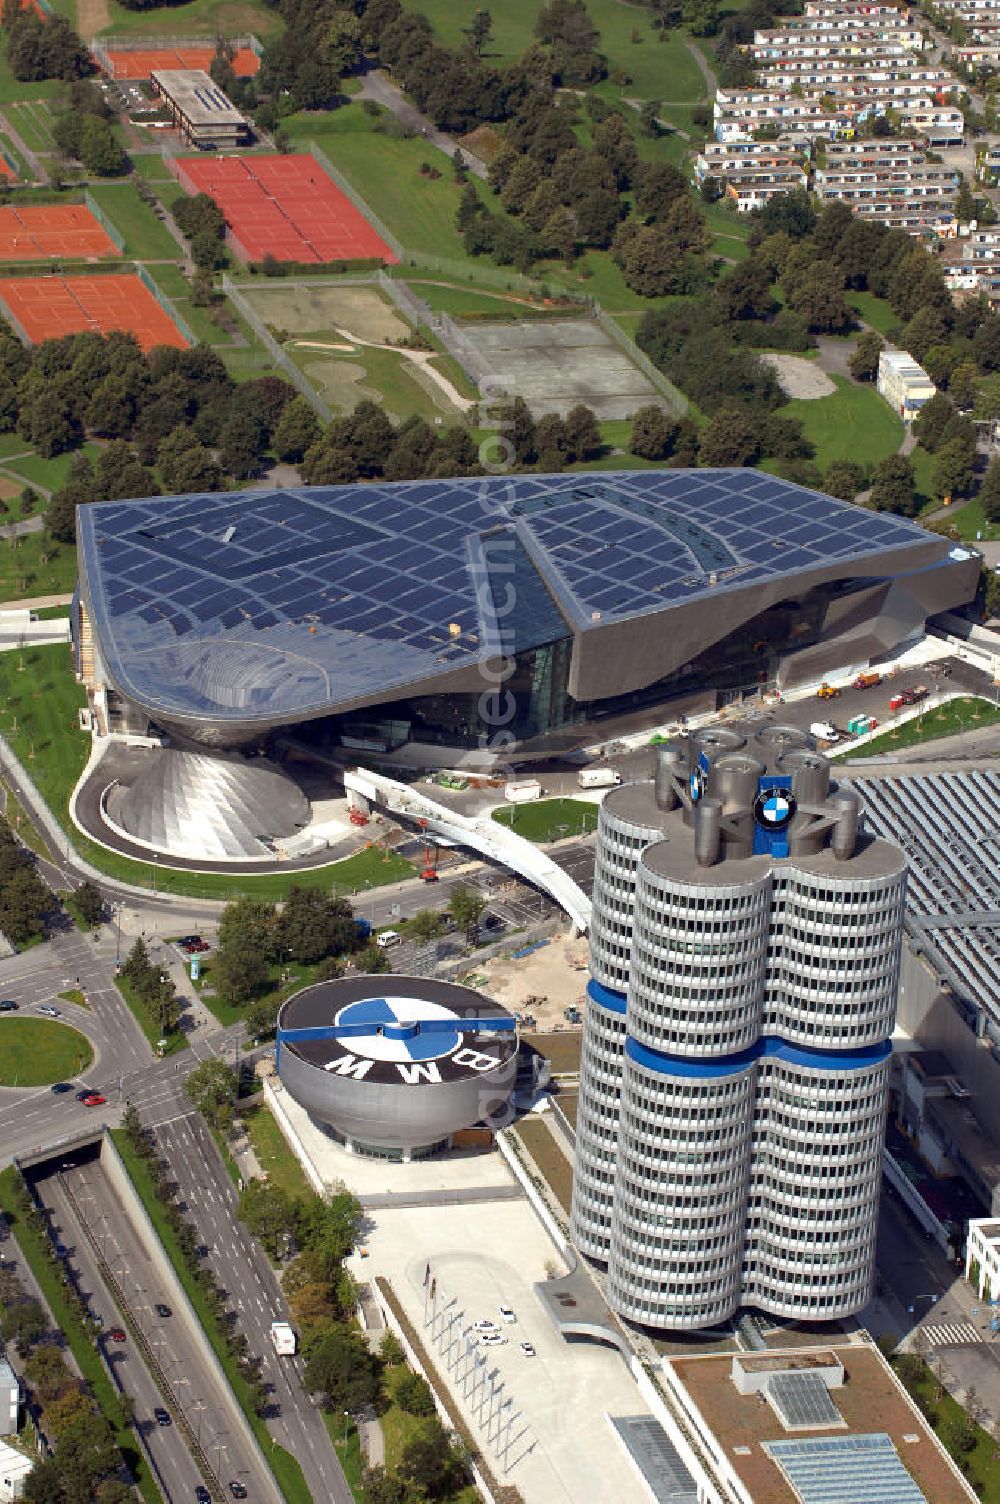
x,y
348,1050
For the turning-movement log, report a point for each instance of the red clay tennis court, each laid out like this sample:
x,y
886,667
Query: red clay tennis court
x,y
34,231
48,307
140,63
283,206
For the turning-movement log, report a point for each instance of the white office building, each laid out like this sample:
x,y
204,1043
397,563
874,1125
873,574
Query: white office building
x,y
745,950
904,384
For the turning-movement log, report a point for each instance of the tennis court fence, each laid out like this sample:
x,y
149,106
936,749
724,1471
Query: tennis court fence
x,y
284,362
165,304
110,230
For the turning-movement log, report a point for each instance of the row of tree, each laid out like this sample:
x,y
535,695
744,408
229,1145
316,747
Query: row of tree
x,y
82,1463
152,988
26,902
38,49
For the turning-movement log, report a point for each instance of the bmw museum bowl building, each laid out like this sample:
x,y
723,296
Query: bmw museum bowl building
x,y
392,1066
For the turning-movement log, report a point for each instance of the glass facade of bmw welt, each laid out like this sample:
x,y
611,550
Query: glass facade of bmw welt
x,y
745,953
383,614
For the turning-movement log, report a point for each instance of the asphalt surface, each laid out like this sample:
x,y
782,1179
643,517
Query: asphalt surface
x,y
178,1352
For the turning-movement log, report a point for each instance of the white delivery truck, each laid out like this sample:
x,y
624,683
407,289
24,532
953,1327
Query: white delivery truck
x,y
824,732
521,790
284,1339
599,778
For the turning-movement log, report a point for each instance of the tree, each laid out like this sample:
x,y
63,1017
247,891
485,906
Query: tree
x,y
817,292
989,492
268,1212
844,479
297,430
965,203
24,902
313,926
731,437
64,1409
88,900
23,1324
413,1394
43,1484
187,465
931,425
863,364
251,923
428,1462
371,960
85,1454
523,179
583,436
653,432
341,1369
952,471
261,1018
466,907
963,384
424,925
46,1371
894,486
99,150
240,973
648,257
212,1087
240,444
119,474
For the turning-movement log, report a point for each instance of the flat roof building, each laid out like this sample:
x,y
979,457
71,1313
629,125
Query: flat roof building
x,y
200,109
14,1470
903,383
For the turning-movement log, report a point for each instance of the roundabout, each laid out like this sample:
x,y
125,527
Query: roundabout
x,y
39,1051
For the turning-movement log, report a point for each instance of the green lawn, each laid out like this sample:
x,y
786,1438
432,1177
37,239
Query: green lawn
x,y
36,1051
965,714
472,303
36,471
283,1169
284,1466
33,119
854,423
969,521
875,311
384,375
146,237
172,282
655,70
34,565
548,819
66,1315
549,1158
196,18
38,716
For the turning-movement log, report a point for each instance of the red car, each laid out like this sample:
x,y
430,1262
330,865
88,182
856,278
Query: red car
x,y
117,1334
94,1100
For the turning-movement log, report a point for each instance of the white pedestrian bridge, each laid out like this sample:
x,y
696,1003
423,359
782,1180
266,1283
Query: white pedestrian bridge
x,y
480,833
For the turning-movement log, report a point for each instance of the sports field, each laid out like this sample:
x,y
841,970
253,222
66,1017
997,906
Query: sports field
x,y
132,64
285,207
303,308
48,307
34,231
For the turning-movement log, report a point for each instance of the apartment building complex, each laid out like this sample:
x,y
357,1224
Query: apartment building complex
x,y
745,950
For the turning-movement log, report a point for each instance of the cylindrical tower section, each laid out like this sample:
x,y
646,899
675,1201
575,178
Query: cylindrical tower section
x,y
817,1174
629,821
680,1195
699,953
833,969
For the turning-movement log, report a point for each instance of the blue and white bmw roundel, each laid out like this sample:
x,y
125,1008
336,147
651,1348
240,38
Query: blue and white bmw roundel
x,y
774,808
697,784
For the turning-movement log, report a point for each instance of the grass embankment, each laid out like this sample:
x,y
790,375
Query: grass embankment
x,y
284,1466
956,716
149,1026
146,237
37,1051
196,18
548,819
271,1149
78,1339
549,1158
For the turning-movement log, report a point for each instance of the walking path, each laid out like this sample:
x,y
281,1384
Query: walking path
x,y
376,86
419,358
20,146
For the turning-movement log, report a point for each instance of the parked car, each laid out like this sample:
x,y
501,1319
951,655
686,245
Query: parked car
x,y
162,1417
507,1314
162,1310
62,1251
492,1339
528,1349
8,1005
199,945
187,940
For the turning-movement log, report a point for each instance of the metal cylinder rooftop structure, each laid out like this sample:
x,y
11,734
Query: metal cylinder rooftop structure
x,y
745,951
394,1065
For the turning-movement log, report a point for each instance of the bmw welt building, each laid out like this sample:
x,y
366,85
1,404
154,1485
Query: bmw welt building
x,y
745,951
488,618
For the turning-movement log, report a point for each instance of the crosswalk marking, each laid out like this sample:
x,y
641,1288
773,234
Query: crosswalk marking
x,y
951,1333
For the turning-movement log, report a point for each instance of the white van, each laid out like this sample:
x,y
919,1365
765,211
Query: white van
x,y
387,939
823,731
599,778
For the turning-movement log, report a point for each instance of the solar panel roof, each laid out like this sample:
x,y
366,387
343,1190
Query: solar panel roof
x,y
846,1470
282,603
